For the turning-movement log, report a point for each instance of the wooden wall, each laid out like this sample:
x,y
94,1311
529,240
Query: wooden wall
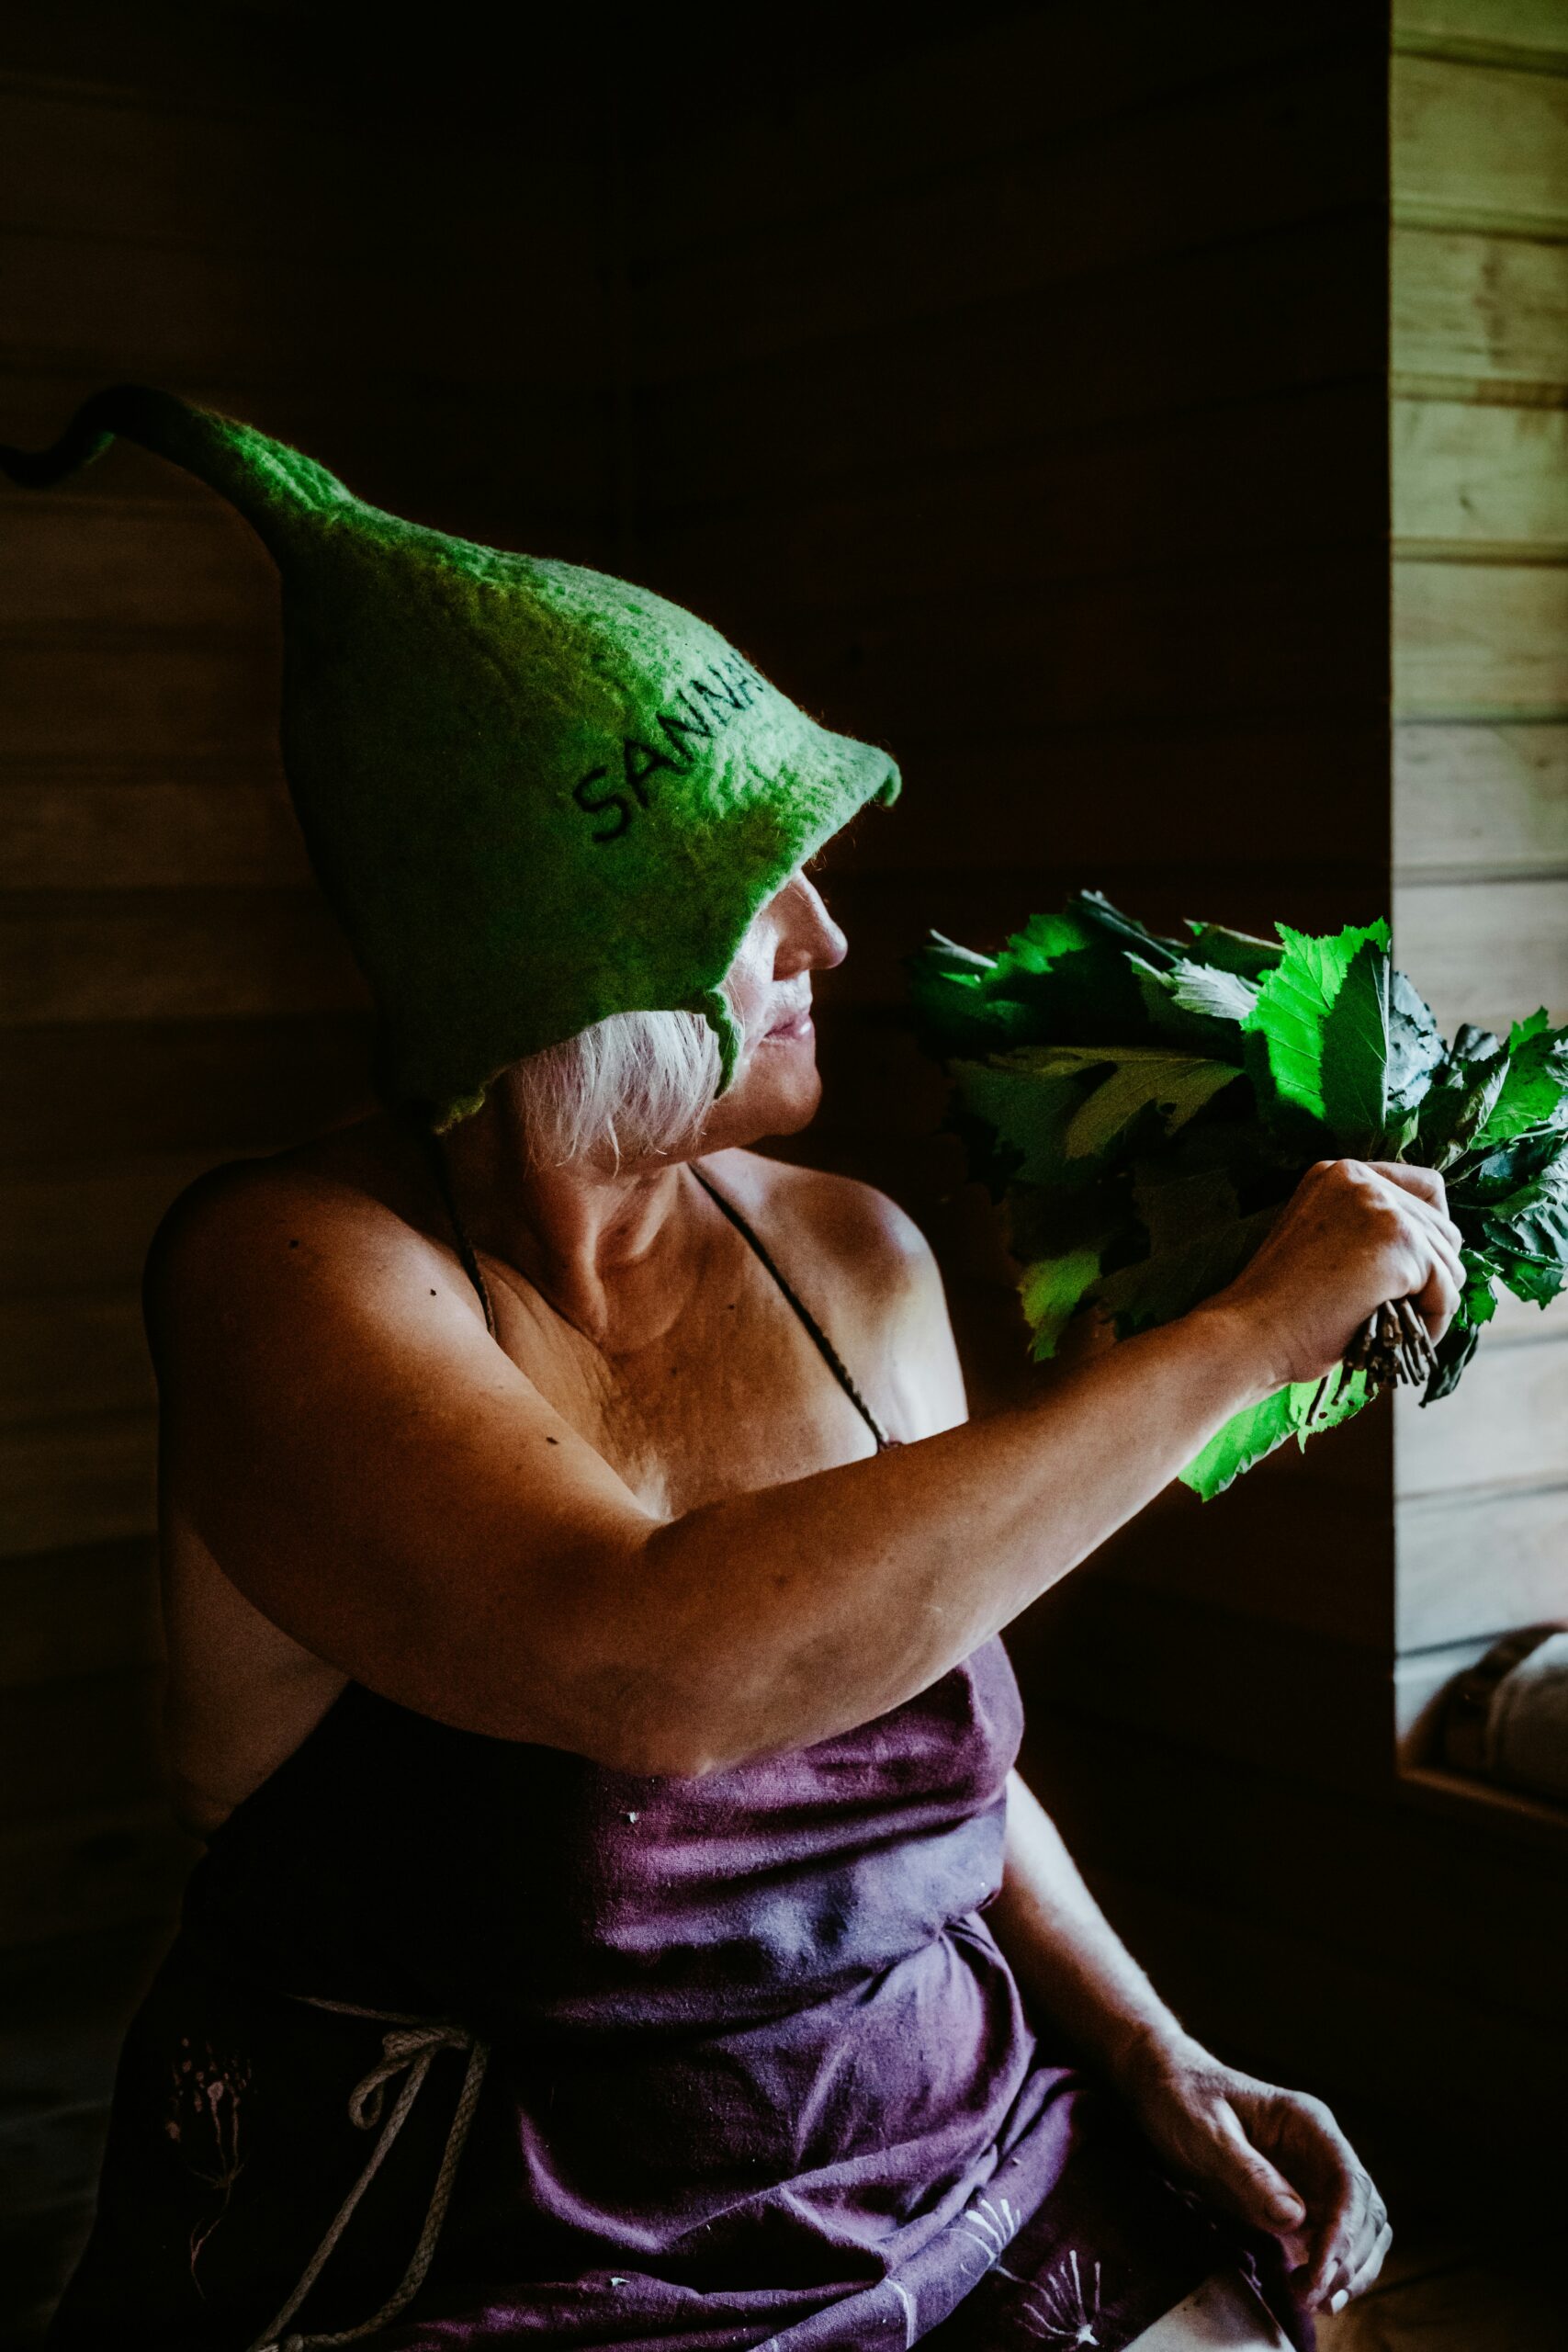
x,y
182,205
1040,428
1019,399
1479,469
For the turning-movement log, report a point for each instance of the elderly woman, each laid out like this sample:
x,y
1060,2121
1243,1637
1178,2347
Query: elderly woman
x,y
622,1923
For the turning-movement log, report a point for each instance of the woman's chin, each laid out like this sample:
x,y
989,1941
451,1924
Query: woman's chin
x,y
776,1093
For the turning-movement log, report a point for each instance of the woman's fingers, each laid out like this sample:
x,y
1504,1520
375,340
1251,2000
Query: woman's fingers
x,y
1365,2274
1262,2192
1349,2236
1426,1185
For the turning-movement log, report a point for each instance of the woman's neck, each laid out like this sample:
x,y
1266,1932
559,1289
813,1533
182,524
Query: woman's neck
x,y
615,1252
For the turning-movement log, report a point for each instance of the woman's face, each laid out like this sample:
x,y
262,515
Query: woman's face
x,y
777,1088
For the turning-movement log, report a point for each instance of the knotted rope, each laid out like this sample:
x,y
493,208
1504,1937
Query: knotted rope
x,y
410,2048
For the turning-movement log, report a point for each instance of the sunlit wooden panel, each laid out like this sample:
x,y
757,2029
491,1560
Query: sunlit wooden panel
x,y
1469,1568
1475,308
1507,1425
1470,641
1483,145
1479,799
1480,474
1488,951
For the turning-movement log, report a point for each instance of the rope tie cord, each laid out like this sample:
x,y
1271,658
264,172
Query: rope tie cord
x,y
408,2049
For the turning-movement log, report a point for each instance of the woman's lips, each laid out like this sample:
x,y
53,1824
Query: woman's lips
x,y
786,1032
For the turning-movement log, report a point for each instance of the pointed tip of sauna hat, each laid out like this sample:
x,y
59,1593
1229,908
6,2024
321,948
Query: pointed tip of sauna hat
x,y
535,795
271,484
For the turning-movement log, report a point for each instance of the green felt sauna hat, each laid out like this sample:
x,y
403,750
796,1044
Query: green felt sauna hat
x,y
534,795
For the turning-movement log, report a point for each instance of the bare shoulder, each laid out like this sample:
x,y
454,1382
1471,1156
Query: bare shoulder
x,y
864,1265
254,1234
837,1222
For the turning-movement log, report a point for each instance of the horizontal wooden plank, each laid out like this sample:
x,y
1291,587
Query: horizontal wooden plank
x,y
1506,1427
71,558
80,163
1488,951
79,1744
1480,640
1029,217
80,1354
287,179
1304,471
74,1483
169,694
1467,471
228,829
1243,642
525,464
92,1610
236,954
110,1868
1304,2011
152,312
1321,1561
1494,309
1410,1895
1478,799
1163,1667
1479,146
1225,325
142,1088
1528,27
953,93
1473,1569
86,1225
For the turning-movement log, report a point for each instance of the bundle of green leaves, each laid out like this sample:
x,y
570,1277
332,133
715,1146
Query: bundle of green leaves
x,y
1142,1106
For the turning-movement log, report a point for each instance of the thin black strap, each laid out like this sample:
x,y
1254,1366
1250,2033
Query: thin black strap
x,y
437,1157
825,1347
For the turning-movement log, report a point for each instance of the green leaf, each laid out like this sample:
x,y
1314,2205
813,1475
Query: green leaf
x,y
1355,1051
1454,1351
1172,1280
1457,1106
1069,981
1052,1291
1291,1013
1234,951
1478,1300
1028,1111
1472,1044
1175,1085
1489,1174
1196,1005
1511,1204
1245,1438
1415,1043
1256,1431
1535,1086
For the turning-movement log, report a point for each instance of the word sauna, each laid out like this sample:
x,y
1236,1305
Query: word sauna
x,y
706,705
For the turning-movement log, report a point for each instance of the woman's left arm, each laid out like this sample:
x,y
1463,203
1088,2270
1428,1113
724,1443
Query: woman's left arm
x,y
1274,2159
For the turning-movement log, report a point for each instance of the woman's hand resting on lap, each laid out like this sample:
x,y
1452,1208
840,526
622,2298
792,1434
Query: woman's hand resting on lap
x,y
1354,1233
1274,2159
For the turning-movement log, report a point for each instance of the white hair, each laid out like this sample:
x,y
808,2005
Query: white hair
x,y
637,1086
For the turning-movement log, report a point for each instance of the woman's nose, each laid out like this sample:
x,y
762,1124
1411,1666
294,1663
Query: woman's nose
x,y
810,939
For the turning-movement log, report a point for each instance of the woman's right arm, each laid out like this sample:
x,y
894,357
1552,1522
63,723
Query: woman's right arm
x,y
385,1485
